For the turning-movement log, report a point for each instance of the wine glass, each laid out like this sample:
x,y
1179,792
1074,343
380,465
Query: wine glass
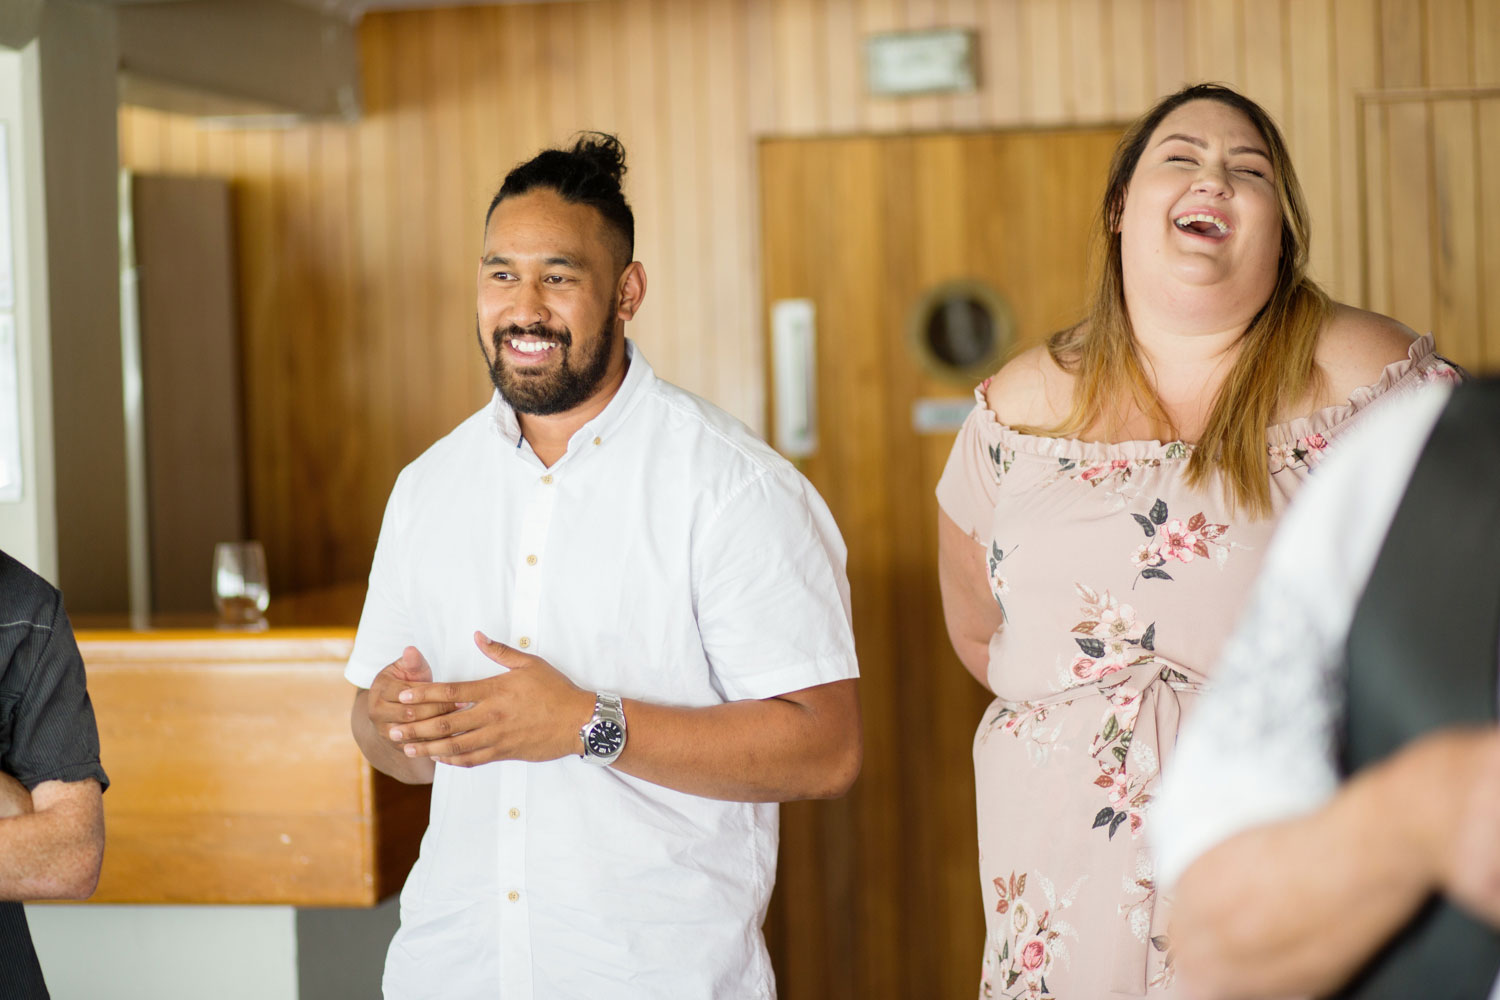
x,y
240,589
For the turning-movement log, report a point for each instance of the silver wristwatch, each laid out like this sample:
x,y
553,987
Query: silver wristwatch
x,y
604,735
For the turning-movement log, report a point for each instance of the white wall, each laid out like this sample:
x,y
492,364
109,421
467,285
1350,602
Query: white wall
x,y
28,527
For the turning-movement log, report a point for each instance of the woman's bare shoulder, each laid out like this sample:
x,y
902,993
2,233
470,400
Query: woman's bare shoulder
x,y
1030,390
1354,348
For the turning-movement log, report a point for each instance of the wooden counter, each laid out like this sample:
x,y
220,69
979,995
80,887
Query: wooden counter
x,y
233,776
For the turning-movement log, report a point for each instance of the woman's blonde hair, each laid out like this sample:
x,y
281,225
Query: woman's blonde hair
x,y
1275,364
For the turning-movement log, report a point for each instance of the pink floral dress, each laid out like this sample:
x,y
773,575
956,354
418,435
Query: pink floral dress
x,y
1118,583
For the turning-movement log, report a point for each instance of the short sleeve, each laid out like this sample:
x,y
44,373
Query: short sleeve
x,y
970,483
384,623
53,736
771,594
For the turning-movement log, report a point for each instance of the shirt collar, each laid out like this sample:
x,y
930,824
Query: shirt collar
x,y
639,375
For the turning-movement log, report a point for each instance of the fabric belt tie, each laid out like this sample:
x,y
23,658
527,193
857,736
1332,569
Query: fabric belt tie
x,y
1155,736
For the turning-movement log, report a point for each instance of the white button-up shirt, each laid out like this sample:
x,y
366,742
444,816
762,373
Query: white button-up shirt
x,y
668,556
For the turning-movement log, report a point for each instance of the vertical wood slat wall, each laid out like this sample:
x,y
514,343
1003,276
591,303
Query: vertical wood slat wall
x,y
357,242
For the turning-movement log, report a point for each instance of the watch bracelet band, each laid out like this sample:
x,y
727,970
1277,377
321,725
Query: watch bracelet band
x,y
607,705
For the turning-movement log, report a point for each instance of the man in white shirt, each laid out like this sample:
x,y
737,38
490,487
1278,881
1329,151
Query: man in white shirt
x,y
611,626
1287,881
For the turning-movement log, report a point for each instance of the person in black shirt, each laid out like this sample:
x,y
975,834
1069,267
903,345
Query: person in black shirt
x,y
51,783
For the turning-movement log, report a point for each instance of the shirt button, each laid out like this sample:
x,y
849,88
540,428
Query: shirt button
x,y
513,895
546,480
531,560
598,441
514,813
525,642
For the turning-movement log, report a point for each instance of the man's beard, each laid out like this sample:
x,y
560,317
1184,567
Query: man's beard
x,y
559,387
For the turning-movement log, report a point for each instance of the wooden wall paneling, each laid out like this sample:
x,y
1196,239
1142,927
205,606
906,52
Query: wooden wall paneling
x,y
562,70
881,114
1375,210
1449,55
1170,67
484,115
562,56
1262,40
525,107
413,199
181,146
760,59
1413,254
1486,43
844,67
1311,129
1132,44
801,92
966,111
1356,47
140,141
1488,166
257,248
683,186
349,528
374,194
1003,76
457,220
1090,48
729,239
927,112
1216,49
640,101
1402,48
1456,244
302,432
1051,87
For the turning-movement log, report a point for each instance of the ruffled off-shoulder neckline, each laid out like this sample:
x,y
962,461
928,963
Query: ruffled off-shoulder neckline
x,y
1419,365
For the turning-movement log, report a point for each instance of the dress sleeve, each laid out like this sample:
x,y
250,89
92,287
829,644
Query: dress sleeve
x,y
385,623
970,483
53,734
771,591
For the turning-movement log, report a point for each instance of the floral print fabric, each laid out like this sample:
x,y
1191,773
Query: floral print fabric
x,y
1118,584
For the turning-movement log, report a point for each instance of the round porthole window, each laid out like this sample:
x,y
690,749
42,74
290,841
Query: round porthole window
x,y
961,330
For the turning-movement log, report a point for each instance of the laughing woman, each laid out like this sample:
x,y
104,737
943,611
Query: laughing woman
x,y
1105,508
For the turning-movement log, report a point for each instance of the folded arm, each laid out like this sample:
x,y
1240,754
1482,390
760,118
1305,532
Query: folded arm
x,y
1298,906
51,847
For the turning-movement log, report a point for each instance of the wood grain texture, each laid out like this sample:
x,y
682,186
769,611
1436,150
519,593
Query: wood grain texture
x,y
233,775
877,895
356,242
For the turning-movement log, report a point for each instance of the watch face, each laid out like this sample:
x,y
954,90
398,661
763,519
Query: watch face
x,y
605,738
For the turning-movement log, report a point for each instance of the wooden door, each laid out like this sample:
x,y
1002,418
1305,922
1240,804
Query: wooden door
x,y
878,894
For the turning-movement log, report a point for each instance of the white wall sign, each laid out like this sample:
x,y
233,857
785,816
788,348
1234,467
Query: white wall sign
x,y
921,62
940,416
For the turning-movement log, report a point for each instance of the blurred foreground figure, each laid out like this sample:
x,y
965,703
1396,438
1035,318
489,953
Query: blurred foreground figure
x,y
51,784
1333,819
